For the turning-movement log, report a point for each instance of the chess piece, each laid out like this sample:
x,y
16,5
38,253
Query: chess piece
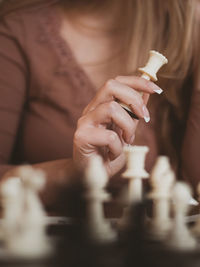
x,y
155,62
162,179
180,237
12,207
96,178
33,181
135,171
29,241
196,227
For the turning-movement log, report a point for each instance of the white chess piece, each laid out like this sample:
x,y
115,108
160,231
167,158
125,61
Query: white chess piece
x,y
30,240
196,227
162,179
180,237
12,207
33,181
155,62
135,171
96,178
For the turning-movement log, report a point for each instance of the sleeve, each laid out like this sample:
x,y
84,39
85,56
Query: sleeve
x,y
12,89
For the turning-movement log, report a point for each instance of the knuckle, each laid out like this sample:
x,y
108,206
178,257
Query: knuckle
x,y
138,99
112,107
79,137
146,83
112,137
109,84
118,78
80,121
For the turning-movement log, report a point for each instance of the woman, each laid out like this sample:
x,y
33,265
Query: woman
x,y
65,61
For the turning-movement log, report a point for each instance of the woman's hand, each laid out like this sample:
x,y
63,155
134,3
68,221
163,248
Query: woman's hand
x,y
105,126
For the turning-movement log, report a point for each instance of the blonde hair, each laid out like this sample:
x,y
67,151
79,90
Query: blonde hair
x,y
168,27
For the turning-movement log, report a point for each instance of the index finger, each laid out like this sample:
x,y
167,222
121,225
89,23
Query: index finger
x,y
139,84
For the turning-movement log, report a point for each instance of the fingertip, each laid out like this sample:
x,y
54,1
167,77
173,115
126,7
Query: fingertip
x,y
154,87
158,91
146,114
137,112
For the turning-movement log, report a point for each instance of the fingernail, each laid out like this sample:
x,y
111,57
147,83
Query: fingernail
x,y
155,88
146,114
158,91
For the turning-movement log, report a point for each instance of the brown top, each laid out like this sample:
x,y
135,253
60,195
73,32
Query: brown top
x,y
43,91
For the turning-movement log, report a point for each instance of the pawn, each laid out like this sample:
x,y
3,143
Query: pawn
x,y
155,62
30,240
33,181
96,178
135,172
162,179
12,208
180,237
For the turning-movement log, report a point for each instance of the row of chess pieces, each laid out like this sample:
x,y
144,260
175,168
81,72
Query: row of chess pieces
x,y
24,221
171,201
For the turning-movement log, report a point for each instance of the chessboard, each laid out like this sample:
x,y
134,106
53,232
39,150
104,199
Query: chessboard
x,y
155,229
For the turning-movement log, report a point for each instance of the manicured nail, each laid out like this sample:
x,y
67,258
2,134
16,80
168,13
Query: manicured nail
x,y
158,91
155,88
146,114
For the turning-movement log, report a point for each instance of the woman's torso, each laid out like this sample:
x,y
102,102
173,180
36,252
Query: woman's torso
x,y
60,83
